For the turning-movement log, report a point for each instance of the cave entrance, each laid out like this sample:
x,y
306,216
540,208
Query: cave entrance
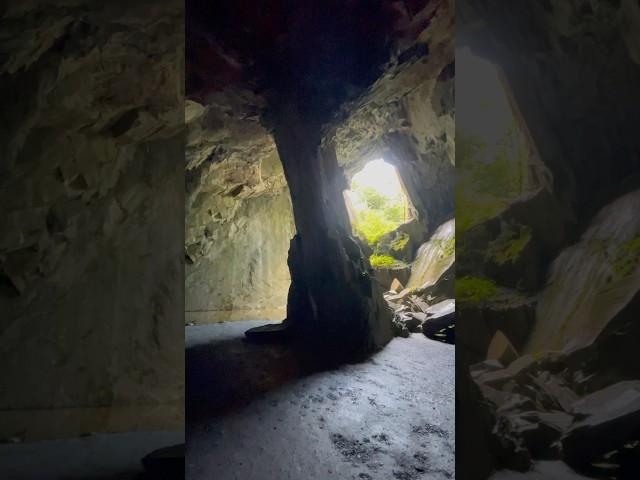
x,y
377,205
496,159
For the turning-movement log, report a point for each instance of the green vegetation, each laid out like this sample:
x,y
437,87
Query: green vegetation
x,y
380,214
509,243
490,177
448,246
400,242
474,289
627,257
382,261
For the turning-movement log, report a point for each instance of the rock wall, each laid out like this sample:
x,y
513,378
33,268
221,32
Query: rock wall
x,y
572,68
240,266
91,218
330,106
238,221
591,281
434,257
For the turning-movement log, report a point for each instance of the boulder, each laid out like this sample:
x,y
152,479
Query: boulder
x,y
414,321
510,313
501,349
272,332
442,289
400,328
386,276
165,463
440,322
611,423
540,431
545,470
396,285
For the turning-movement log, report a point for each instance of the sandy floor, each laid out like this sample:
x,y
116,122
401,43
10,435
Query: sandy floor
x,y
255,411
103,456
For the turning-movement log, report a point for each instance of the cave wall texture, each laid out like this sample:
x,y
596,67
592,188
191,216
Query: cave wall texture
x,y
91,229
572,68
583,56
238,213
389,95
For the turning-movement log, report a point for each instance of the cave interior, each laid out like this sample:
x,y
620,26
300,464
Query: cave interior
x,y
287,283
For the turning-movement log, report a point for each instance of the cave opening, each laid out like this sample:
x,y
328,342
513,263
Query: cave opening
x,y
497,160
377,204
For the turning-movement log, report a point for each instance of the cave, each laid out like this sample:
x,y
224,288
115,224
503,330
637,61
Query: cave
x,y
295,328
547,269
188,244
378,205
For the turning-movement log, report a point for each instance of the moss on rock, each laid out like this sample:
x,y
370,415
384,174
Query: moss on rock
x,y
508,246
475,289
382,261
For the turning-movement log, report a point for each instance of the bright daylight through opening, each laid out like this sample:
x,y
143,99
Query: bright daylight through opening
x,y
377,205
494,155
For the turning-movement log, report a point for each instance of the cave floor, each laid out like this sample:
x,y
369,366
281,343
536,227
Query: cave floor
x,y
254,413
107,456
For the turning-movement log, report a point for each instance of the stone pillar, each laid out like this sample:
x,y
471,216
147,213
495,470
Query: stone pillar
x,y
334,298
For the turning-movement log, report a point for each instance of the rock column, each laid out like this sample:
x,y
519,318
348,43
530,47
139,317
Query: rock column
x,y
334,299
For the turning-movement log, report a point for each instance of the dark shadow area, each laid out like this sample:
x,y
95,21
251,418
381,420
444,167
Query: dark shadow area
x,y
226,375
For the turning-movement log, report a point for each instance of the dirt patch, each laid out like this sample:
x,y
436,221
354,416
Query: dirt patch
x,y
428,429
355,451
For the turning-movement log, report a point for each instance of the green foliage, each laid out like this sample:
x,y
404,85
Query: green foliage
x,y
448,246
382,261
381,214
474,289
489,177
372,226
400,242
371,197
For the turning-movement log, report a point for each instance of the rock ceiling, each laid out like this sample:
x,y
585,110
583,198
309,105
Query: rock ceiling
x,y
231,91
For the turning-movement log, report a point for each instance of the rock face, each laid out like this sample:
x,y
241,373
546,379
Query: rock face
x,y
238,213
426,305
552,245
239,220
591,281
544,49
239,267
327,108
90,218
434,257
